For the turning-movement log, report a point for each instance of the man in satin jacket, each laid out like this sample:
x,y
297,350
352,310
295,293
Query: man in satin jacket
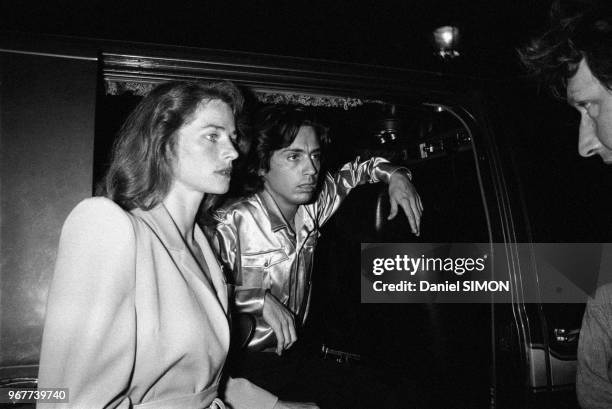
x,y
267,239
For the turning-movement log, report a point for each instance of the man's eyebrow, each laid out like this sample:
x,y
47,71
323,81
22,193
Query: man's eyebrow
x,y
300,150
294,150
578,102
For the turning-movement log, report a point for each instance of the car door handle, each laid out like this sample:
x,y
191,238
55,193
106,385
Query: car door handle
x,y
566,336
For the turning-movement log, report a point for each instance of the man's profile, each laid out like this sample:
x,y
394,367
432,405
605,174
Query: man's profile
x,y
574,57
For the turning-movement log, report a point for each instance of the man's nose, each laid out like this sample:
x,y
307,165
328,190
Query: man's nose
x,y
311,167
588,142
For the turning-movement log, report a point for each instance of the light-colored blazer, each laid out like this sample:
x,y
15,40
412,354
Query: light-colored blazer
x,y
133,320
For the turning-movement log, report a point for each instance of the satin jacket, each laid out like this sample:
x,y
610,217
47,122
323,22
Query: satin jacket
x,y
262,253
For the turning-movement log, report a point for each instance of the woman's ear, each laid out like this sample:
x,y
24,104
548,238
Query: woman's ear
x,y
168,150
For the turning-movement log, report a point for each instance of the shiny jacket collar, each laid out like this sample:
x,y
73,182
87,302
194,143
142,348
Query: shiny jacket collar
x,y
276,218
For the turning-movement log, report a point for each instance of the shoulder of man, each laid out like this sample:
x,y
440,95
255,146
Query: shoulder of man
x,y
603,296
241,205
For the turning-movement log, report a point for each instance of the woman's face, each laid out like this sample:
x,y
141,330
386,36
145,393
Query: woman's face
x,y
204,149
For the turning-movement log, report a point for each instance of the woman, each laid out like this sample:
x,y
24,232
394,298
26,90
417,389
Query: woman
x,y
137,311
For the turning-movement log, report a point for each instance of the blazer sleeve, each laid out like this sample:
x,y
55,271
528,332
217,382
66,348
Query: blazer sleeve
x,y
89,335
242,394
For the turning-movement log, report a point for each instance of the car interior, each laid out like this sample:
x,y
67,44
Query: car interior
x,y
491,166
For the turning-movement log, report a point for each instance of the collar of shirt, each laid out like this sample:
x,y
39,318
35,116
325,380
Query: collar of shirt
x,y
305,223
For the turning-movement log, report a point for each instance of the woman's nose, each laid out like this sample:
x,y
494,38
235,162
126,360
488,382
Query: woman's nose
x,y
230,151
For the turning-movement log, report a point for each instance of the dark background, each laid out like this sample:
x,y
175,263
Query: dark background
x,y
390,32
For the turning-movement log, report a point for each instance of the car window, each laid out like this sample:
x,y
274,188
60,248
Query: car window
x,y
412,344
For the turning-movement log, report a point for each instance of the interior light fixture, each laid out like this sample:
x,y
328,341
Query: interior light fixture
x,y
388,127
446,41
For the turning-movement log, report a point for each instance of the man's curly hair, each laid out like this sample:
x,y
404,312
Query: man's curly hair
x,y
578,29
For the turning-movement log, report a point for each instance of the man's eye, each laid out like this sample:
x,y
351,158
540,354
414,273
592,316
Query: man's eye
x,y
593,110
213,137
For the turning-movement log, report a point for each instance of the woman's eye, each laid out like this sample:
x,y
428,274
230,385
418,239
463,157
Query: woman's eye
x,y
212,137
316,156
292,157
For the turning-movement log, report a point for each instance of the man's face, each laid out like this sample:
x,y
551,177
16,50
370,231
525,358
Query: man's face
x,y
594,102
294,170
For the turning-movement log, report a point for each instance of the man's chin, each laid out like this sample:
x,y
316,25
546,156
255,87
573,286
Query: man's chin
x,y
303,198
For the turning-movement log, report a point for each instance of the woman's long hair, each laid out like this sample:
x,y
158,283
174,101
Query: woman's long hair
x,y
140,172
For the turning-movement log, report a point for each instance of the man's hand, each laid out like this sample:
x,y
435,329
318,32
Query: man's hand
x,y
403,193
282,322
295,405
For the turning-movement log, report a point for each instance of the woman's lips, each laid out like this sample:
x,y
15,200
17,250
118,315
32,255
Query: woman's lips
x,y
227,172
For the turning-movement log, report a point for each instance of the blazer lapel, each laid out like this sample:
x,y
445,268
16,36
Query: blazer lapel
x,y
160,221
216,273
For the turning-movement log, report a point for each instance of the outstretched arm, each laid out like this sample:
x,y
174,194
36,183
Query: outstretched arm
x,y
401,190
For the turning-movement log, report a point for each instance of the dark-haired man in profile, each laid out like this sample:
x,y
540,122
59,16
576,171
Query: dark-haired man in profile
x,y
267,239
575,56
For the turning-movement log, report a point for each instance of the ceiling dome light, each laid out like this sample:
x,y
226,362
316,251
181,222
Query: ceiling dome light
x,y
446,41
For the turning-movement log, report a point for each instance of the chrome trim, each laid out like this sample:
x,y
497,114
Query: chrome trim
x,y
39,54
